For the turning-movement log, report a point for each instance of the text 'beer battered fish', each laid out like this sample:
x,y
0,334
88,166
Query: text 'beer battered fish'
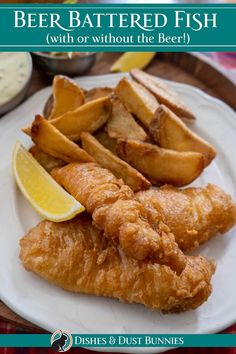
x,y
75,256
194,215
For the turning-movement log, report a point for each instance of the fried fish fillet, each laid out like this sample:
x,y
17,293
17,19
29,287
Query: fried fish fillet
x,y
115,211
75,256
194,215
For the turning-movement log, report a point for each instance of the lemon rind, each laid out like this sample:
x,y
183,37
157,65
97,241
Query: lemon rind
x,y
76,207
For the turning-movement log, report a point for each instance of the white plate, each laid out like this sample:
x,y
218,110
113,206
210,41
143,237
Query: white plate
x,y
52,308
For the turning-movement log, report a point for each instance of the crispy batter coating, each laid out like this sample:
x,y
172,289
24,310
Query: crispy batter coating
x,y
115,211
75,256
194,215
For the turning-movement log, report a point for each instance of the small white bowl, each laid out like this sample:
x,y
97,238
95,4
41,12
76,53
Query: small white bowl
x,y
14,101
54,65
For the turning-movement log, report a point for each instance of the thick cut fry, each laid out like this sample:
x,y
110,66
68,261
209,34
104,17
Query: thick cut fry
x,y
48,107
120,168
45,160
170,132
122,124
115,211
194,215
89,117
67,96
106,140
163,93
88,263
137,100
161,166
27,130
98,92
51,141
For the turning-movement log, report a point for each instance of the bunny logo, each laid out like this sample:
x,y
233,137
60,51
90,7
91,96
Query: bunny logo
x,y
61,341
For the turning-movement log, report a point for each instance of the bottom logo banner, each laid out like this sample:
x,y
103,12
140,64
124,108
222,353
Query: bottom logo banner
x,y
61,340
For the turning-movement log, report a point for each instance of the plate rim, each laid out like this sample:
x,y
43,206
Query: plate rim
x,y
26,315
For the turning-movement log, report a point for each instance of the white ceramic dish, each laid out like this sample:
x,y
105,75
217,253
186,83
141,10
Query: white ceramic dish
x,y
52,308
12,102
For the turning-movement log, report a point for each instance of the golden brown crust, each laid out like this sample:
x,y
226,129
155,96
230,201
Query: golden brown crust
x,y
89,117
121,169
67,96
54,143
122,124
98,92
169,132
104,139
115,211
137,99
75,256
163,93
160,165
194,215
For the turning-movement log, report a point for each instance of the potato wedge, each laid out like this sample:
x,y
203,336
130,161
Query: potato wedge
x,y
122,124
67,96
89,117
54,143
137,99
48,107
98,92
163,93
169,132
46,161
161,166
26,130
120,168
106,140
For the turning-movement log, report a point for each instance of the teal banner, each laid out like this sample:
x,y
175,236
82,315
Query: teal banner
x,y
121,340
117,27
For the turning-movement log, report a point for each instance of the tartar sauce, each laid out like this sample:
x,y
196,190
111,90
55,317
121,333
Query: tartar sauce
x,y
14,74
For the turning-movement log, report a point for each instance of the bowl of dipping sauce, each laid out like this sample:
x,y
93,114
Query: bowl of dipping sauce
x,y
15,75
70,64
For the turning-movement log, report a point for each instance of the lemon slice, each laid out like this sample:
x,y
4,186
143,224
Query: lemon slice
x,y
46,196
130,60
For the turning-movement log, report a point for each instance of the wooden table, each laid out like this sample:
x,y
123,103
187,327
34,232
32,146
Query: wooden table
x,y
182,67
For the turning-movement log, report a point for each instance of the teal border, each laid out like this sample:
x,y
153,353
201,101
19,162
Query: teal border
x,y
112,340
204,40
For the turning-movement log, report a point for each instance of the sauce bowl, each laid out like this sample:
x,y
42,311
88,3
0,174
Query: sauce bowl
x,y
20,95
53,65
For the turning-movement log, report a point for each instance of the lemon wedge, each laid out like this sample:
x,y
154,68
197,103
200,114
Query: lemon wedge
x,y
130,60
46,196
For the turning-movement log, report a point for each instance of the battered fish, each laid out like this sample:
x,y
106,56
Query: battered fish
x,y
115,211
75,256
194,215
